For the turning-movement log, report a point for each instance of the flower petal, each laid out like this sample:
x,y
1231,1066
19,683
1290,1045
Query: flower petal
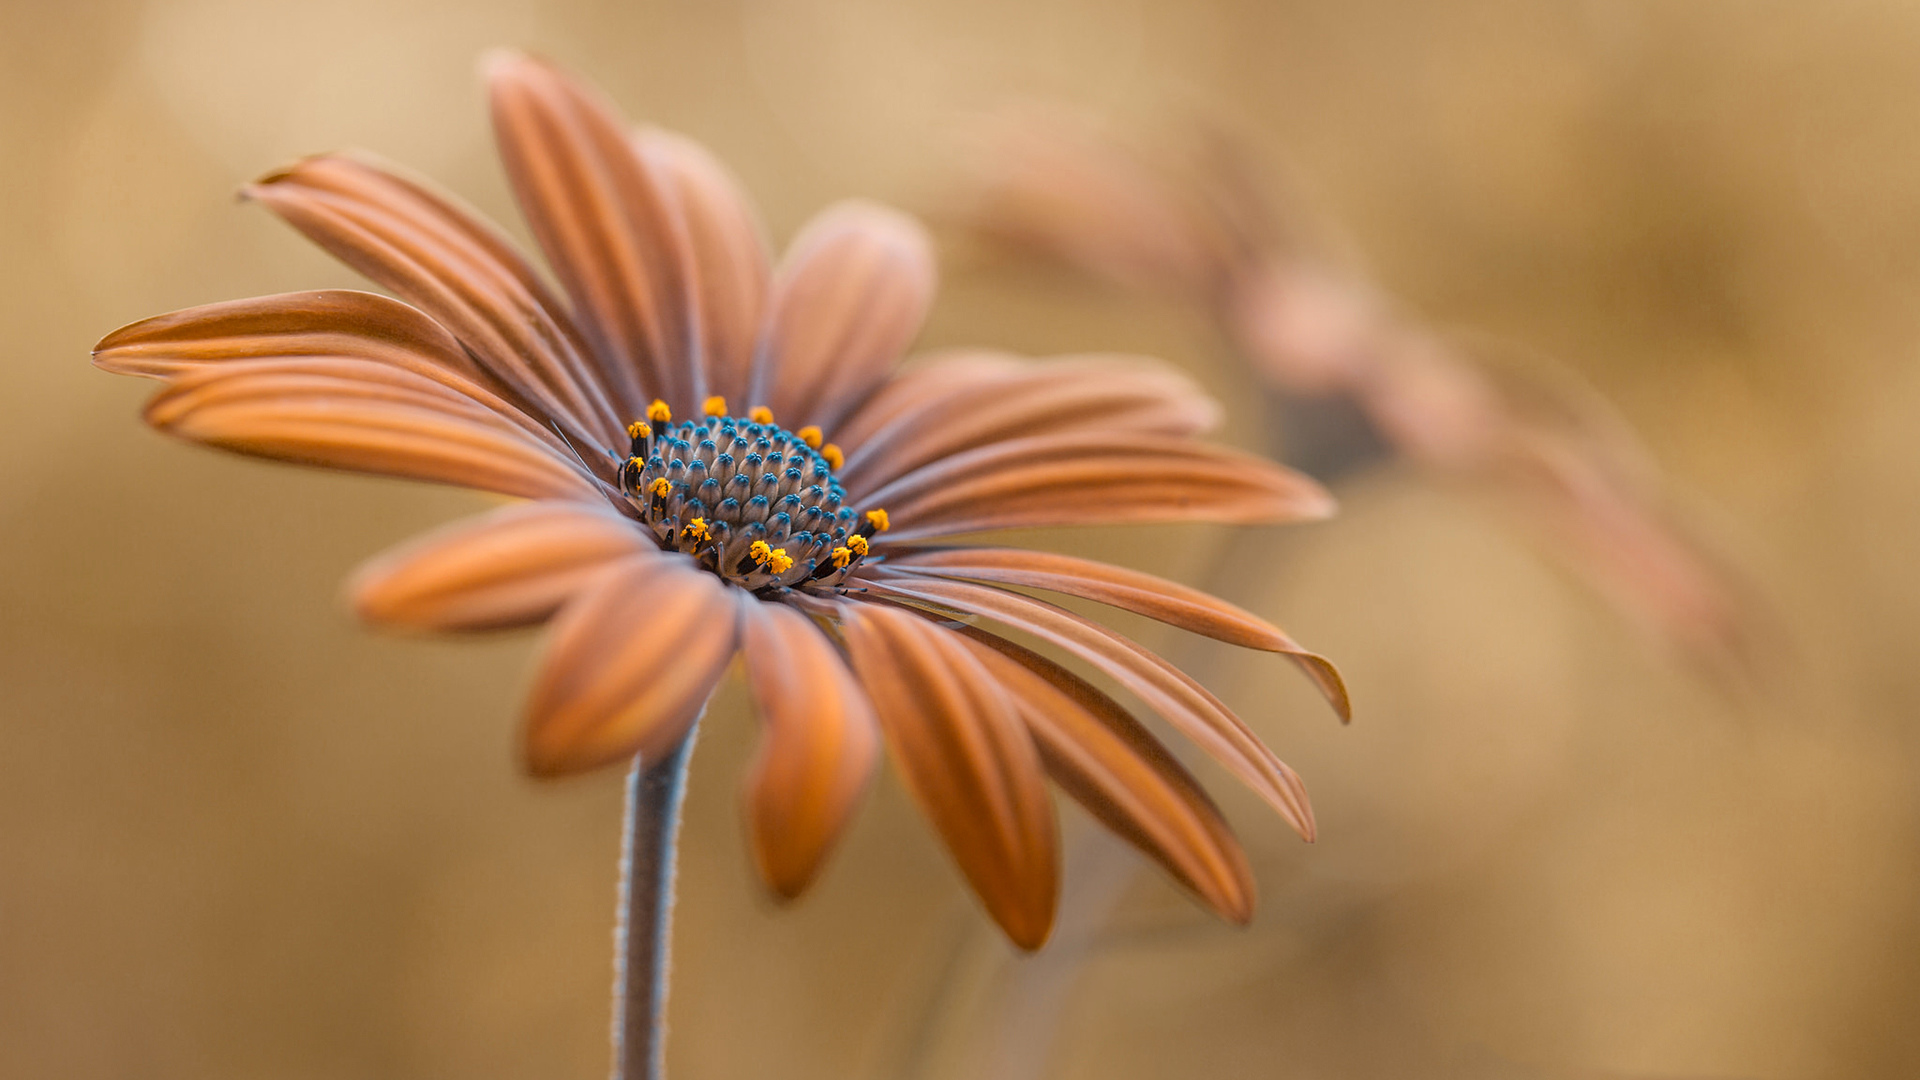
x,y
1126,396
850,295
1129,590
728,263
365,417
442,258
648,233
513,567
967,759
1115,768
332,322
818,749
1166,689
923,385
631,664
1093,479
307,331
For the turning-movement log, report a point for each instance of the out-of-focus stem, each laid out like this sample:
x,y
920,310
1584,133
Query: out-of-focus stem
x,y
655,792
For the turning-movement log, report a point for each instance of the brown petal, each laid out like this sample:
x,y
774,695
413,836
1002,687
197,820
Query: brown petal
x,y
851,293
332,322
966,758
308,331
1130,590
923,385
818,746
1115,768
513,567
728,265
1093,479
648,234
364,417
631,664
1166,689
1126,396
442,258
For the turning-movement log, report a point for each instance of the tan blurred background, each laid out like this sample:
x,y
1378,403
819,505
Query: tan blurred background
x,y
239,837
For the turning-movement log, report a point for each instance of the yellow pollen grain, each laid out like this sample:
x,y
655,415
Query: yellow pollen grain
x,y
638,430
834,457
858,544
661,487
841,557
697,529
636,463
811,436
760,414
760,551
779,561
659,413
715,406
879,519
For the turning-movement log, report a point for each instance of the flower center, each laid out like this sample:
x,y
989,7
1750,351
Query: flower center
x,y
751,501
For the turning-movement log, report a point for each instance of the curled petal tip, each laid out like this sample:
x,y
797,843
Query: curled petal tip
x,y
273,176
111,341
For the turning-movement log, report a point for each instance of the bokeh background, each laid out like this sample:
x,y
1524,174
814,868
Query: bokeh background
x,y
239,837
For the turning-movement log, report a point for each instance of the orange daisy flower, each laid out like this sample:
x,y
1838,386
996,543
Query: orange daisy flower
x,y
715,459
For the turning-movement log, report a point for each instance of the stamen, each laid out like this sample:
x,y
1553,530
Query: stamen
x,y
760,414
659,413
841,557
779,561
715,406
857,544
878,519
811,436
835,459
760,551
697,530
661,487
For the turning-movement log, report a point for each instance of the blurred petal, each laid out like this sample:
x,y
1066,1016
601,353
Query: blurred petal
x,y
967,759
443,259
1125,396
1166,689
364,417
1115,768
1129,590
313,326
630,665
817,751
728,262
1056,184
1093,479
923,385
513,567
850,295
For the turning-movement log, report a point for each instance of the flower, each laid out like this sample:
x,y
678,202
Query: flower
x,y
665,530
1353,377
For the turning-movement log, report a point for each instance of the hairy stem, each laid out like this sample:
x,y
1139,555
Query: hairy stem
x,y
655,792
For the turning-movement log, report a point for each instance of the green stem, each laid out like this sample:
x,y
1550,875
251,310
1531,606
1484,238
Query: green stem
x,y
655,793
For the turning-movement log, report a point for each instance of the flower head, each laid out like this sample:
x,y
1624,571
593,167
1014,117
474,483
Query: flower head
x,y
1201,224
718,459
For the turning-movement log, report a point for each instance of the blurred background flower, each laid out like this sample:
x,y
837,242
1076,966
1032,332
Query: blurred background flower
x,y
234,842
